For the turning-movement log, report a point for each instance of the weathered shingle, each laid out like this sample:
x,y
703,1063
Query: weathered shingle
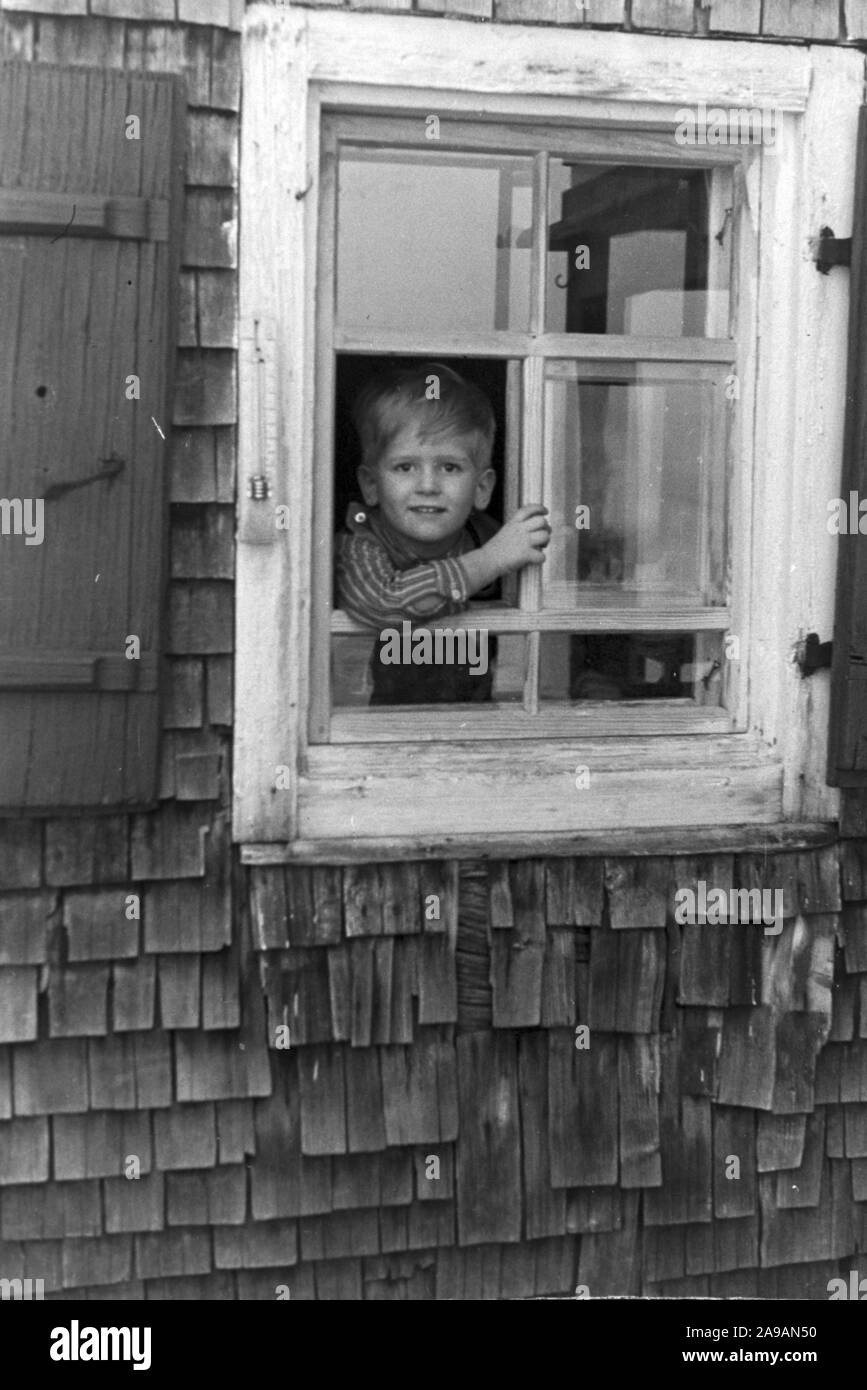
x,y
418,1091
800,1185
544,1205
98,926
256,1246
18,994
134,1204
130,1071
185,1137
626,980
487,1153
217,1066
221,1005
235,1133
323,1105
133,994
747,1058
26,920
638,1100
638,891
87,850
20,854
24,1149
211,1197
179,990
100,1260
687,1158
78,1001
98,1144
172,1252
50,1077
734,1182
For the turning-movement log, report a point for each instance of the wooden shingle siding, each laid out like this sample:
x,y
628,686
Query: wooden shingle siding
x,y
543,1147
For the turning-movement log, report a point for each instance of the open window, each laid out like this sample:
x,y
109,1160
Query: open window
x,y
583,279
617,294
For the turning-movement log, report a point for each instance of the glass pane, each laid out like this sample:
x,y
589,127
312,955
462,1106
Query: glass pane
x,y
631,666
629,252
634,480
432,242
510,667
445,666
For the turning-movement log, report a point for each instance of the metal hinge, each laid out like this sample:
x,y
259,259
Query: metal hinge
x,y
812,655
829,250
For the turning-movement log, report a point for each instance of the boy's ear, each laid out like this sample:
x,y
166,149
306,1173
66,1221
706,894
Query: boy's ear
x,y
484,487
368,484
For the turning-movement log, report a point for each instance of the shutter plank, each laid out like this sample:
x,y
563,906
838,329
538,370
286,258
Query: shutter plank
x,y
90,310
847,740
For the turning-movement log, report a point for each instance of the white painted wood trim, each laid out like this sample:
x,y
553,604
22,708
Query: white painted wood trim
x,y
813,321
465,796
799,412
270,632
392,50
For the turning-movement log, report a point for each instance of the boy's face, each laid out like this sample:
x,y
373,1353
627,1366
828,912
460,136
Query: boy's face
x,y
427,487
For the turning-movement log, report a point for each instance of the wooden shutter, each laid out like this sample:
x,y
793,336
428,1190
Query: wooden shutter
x,y
847,743
89,238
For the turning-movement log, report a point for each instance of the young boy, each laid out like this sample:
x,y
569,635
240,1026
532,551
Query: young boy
x,y
422,543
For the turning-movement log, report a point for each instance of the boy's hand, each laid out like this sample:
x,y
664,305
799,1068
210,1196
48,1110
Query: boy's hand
x,y
521,540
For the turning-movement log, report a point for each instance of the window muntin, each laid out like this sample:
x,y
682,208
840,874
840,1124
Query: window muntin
x,y
675,364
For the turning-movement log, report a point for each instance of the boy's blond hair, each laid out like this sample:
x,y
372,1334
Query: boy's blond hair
x,y
431,395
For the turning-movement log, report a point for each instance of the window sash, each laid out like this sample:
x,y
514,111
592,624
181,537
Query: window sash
x,y
594,616
534,135
533,359
605,719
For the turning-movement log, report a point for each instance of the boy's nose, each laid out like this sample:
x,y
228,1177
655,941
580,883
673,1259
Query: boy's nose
x,y
427,482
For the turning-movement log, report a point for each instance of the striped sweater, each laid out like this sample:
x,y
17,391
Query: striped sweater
x,y
380,581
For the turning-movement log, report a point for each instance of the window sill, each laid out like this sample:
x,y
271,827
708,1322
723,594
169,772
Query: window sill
x,y
410,796
692,839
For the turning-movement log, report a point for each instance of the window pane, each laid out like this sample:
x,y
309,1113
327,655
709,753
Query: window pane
x,y
474,667
631,666
629,251
634,480
432,242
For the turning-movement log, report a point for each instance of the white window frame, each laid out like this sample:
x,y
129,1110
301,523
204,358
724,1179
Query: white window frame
x,y
341,801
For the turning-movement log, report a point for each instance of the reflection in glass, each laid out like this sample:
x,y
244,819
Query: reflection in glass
x,y
634,481
502,656
628,252
631,666
432,242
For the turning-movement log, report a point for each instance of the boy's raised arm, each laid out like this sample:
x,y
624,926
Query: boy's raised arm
x,y
520,541
373,590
